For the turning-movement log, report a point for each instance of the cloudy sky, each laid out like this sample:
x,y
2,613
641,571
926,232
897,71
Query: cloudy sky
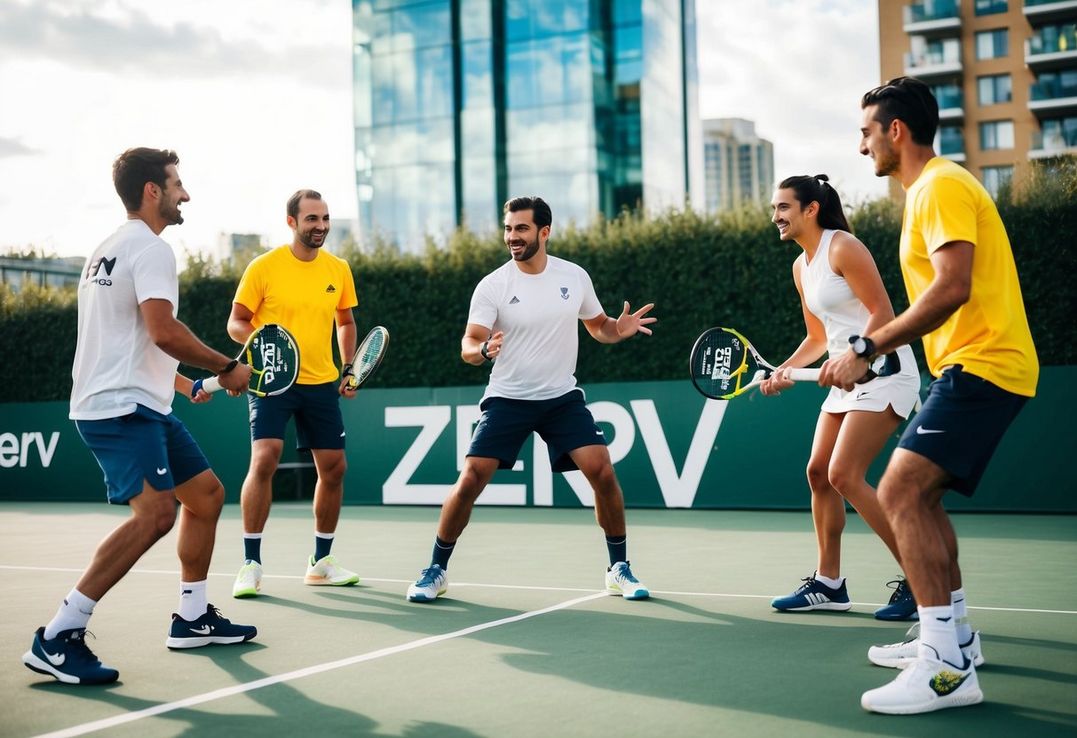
x,y
255,95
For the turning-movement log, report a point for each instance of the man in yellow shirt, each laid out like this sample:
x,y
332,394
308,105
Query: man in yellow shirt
x,y
307,291
965,301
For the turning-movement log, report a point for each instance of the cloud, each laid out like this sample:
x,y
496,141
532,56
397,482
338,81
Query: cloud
x,y
125,39
14,147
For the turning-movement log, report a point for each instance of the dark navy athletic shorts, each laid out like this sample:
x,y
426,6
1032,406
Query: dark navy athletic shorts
x,y
144,445
564,423
316,407
961,424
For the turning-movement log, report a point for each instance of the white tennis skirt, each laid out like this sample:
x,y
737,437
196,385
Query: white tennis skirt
x,y
900,391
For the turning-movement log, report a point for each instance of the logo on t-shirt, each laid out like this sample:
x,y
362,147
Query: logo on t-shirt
x,y
94,271
330,289
564,293
515,300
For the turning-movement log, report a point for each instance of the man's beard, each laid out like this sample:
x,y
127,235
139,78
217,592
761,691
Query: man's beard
x,y
307,239
530,249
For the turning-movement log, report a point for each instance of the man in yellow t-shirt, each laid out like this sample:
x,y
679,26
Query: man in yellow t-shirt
x,y
965,301
307,291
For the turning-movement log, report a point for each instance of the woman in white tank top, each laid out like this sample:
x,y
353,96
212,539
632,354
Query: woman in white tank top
x,y
841,295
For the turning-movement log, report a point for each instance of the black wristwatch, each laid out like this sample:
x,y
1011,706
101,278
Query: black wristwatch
x,y
863,347
347,371
482,350
229,367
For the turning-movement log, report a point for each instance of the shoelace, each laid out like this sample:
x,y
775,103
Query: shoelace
x,y
429,576
809,582
77,645
901,589
215,614
626,574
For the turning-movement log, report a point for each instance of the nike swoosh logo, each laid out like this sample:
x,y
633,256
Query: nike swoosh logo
x,y
922,431
342,433
56,659
599,433
162,471
204,630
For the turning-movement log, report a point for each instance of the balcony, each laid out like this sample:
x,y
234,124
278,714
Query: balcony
x,y
1052,144
1050,95
951,103
932,17
1039,12
1052,47
950,142
934,63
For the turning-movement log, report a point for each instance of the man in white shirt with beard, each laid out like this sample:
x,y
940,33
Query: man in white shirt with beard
x,y
523,318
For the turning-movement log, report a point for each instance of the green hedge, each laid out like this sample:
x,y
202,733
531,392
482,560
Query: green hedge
x,y
699,271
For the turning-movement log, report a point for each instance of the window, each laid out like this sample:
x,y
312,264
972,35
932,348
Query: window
x,y
988,7
995,88
996,134
995,177
992,44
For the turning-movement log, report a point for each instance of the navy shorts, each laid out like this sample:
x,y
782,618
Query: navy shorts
x,y
316,407
144,445
961,424
564,423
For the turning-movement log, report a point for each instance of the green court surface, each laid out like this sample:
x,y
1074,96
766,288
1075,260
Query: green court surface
x,y
526,643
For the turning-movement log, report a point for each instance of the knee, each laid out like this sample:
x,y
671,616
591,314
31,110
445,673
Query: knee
x,y
156,523
893,499
333,474
603,479
841,477
818,477
263,467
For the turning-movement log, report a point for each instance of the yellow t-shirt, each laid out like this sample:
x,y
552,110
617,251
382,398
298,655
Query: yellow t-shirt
x,y
989,334
302,296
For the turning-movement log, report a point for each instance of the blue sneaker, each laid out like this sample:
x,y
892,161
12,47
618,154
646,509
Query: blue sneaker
x,y
431,584
902,604
68,658
814,595
208,629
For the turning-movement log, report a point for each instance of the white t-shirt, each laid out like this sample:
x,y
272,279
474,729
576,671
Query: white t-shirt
x,y
117,365
538,314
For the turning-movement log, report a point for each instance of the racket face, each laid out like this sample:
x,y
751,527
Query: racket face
x,y
723,364
369,355
274,359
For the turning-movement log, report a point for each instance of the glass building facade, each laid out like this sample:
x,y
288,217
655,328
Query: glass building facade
x,y
461,104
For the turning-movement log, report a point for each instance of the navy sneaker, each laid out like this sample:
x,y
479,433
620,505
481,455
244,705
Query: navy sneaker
x,y
68,658
813,595
902,604
208,629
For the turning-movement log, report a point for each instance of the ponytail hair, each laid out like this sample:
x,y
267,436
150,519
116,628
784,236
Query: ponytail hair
x,y
818,189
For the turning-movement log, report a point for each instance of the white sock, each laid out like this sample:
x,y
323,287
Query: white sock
x,y
192,603
74,613
961,616
938,636
832,583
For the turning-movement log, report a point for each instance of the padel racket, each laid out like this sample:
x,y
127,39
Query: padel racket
x,y
273,356
724,364
368,356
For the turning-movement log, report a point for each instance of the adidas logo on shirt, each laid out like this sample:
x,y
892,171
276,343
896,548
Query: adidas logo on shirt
x,y
515,300
330,288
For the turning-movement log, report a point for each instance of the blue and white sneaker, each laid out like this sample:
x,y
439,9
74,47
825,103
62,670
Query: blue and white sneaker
x,y
814,595
621,581
68,658
208,629
902,604
431,584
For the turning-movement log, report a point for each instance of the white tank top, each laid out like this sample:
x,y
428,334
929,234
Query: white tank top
x,y
830,298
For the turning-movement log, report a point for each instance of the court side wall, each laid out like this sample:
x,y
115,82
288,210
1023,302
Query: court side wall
x,y
671,448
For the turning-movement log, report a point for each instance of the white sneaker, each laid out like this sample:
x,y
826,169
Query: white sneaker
x,y
248,580
900,655
620,581
431,584
326,570
926,685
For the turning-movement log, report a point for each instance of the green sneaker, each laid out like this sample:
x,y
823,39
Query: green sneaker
x,y
248,580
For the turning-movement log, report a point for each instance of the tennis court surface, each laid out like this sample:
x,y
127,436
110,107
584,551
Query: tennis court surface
x,y
526,643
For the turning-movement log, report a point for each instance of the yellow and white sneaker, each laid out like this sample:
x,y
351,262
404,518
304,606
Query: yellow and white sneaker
x,y
926,685
326,570
621,582
248,580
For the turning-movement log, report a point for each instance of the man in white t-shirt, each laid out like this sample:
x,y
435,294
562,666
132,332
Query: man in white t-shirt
x,y
129,348
523,318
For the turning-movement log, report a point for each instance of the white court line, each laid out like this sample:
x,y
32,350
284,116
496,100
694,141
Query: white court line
x,y
535,588
218,694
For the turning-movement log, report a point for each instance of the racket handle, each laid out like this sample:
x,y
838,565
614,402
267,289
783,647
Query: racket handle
x,y
804,375
209,384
